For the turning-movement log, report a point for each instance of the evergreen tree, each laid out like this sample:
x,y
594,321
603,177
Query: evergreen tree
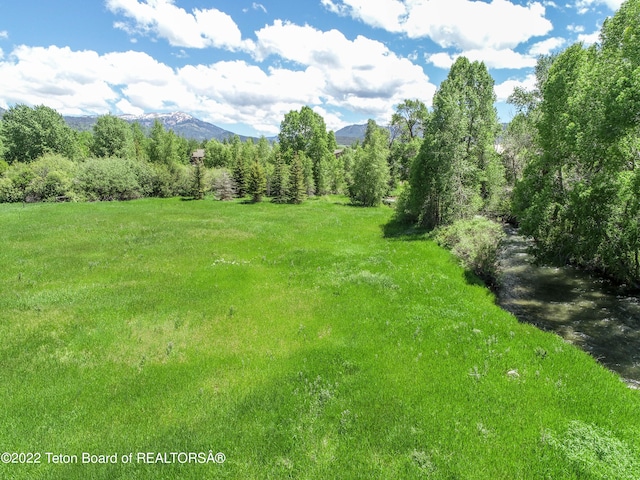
x,y
280,181
256,182
297,188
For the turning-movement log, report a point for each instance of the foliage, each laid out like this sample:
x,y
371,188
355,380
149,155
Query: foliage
x,y
578,197
223,186
53,179
475,242
370,175
198,180
112,137
457,171
297,190
280,181
108,179
257,182
29,133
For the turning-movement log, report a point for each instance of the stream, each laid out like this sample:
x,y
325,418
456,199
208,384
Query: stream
x,y
585,310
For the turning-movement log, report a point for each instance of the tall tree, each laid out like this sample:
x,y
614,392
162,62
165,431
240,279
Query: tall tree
x,y
305,131
297,190
370,170
112,137
456,173
31,132
256,182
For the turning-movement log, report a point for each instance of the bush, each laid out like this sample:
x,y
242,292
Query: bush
x,y
109,179
224,186
475,242
53,179
8,192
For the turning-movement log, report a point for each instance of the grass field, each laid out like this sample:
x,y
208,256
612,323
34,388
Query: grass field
x,y
295,339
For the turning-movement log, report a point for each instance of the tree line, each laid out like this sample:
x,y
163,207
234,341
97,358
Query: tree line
x,y
43,159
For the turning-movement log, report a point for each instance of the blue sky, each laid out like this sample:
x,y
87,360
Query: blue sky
x,y
242,64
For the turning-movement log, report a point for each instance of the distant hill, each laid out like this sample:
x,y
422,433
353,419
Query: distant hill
x,y
181,123
351,134
188,126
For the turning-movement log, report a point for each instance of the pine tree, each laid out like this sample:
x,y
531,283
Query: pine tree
x,y
297,186
256,182
280,182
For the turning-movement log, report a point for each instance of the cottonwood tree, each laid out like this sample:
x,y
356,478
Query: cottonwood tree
x,y
29,133
370,174
579,197
305,131
457,172
112,137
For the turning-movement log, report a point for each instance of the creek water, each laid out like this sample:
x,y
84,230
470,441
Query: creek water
x,y
585,310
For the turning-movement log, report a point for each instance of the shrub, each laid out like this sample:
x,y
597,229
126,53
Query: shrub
x,y
53,179
109,179
475,242
8,192
224,186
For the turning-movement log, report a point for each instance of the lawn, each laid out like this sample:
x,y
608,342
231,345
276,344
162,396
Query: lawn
x,y
296,340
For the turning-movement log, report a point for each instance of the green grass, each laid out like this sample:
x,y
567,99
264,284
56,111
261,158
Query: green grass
x,y
297,340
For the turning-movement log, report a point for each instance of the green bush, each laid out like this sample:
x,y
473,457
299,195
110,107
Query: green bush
x,y
475,242
53,179
8,191
4,166
109,179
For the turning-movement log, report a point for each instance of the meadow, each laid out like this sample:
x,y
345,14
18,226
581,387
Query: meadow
x,y
297,340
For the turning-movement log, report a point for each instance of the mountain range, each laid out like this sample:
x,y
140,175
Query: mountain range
x,y
188,126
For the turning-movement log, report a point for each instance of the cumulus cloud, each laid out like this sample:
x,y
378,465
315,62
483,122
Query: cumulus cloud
x,y
492,58
200,28
361,74
464,24
226,92
4,34
505,89
546,46
589,38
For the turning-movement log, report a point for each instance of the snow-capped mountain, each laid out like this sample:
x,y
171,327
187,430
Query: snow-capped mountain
x,y
181,123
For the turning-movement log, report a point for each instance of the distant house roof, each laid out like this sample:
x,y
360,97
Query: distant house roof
x,y
338,153
197,154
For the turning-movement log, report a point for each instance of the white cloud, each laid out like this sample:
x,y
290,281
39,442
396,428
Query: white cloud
x,y
589,38
259,6
583,6
226,92
199,29
505,58
505,89
575,28
464,24
360,74
4,34
546,46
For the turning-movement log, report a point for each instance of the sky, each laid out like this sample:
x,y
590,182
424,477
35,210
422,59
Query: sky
x,y
243,65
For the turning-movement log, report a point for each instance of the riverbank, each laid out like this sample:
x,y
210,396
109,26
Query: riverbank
x,y
584,309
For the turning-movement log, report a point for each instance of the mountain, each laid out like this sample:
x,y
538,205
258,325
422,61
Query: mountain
x,y
181,123
351,134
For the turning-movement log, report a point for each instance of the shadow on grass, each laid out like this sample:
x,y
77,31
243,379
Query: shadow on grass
x,y
399,230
